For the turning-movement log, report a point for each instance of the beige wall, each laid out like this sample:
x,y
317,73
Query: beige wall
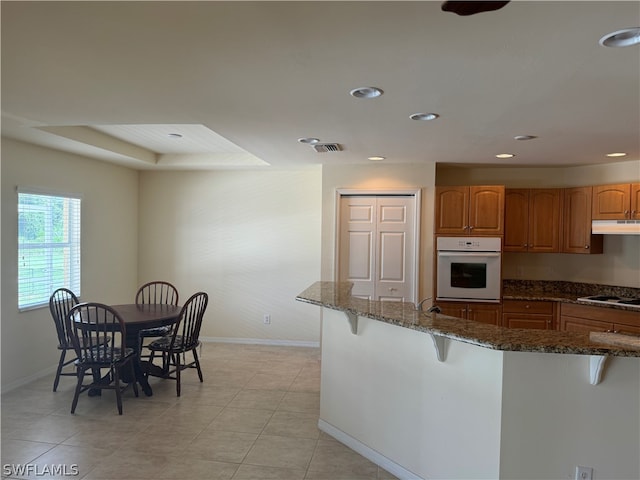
x,y
379,177
250,238
109,246
620,262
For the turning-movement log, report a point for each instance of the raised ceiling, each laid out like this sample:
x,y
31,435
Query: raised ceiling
x,y
242,81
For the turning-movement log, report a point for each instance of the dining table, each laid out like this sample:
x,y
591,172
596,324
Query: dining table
x,y
139,317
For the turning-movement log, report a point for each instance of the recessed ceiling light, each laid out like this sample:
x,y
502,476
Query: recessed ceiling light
x,y
505,155
524,137
175,135
423,116
376,158
621,38
617,154
308,140
366,92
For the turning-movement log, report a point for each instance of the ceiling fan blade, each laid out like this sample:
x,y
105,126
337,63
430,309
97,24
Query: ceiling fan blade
x,y
470,7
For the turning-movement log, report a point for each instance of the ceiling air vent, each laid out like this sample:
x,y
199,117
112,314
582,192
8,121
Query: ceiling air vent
x,y
326,147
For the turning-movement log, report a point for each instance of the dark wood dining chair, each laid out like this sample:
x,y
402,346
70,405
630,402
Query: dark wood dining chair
x,y
185,337
98,335
60,303
159,292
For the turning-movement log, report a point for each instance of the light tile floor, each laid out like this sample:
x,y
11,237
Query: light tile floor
x,y
254,417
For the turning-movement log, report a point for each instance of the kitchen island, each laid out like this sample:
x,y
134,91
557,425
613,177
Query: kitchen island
x,y
431,396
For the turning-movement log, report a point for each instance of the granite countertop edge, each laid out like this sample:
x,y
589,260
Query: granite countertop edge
x,y
337,296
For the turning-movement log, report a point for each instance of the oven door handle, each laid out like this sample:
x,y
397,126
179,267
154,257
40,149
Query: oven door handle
x,y
469,254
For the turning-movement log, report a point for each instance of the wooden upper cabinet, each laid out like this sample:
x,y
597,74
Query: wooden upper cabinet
x,y
533,219
577,237
486,210
635,201
475,210
452,210
613,202
516,220
545,214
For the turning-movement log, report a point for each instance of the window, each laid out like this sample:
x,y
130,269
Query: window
x,y
48,247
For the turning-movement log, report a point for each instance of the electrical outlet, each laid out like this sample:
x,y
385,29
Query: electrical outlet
x,y
266,319
584,473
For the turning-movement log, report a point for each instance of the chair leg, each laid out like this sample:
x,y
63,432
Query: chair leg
x,y
116,378
178,368
59,370
76,395
197,361
133,375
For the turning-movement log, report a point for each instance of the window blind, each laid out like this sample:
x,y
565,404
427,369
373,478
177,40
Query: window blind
x,y
48,247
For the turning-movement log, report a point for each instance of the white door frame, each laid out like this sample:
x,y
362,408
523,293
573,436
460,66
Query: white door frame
x,y
415,192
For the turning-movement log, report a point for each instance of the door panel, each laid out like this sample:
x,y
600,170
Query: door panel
x,y
392,256
361,213
356,244
359,256
395,248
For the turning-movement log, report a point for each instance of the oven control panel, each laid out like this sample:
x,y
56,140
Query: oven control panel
x,y
475,244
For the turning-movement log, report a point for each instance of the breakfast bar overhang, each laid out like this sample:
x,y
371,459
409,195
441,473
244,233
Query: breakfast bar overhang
x,y
431,396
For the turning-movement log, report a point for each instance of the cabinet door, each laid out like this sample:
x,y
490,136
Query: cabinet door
x,y
483,313
621,328
516,219
611,202
452,210
454,309
635,201
544,220
524,320
528,314
577,237
575,324
486,210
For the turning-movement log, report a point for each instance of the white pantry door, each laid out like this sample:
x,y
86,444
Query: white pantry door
x,y
377,246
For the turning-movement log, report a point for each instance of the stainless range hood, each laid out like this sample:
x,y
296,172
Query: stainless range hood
x,y
615,227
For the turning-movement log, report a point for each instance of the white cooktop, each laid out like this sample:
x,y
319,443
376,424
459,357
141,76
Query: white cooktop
x,y
611,299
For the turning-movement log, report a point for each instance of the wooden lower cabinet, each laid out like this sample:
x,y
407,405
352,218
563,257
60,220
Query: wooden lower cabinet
x,y
538,315
587,318
489,313
547,315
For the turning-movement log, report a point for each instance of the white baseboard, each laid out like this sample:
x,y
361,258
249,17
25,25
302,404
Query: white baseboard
x,y
261,341
367,452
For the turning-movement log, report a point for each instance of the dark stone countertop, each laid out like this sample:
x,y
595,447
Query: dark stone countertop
x,y
337,296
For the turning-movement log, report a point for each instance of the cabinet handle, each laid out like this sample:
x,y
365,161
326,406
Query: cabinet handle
x,y
626,213
527,306
633,213
470,227
525,245
586,246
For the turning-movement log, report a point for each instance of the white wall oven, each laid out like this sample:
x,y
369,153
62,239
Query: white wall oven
x,y
469,269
